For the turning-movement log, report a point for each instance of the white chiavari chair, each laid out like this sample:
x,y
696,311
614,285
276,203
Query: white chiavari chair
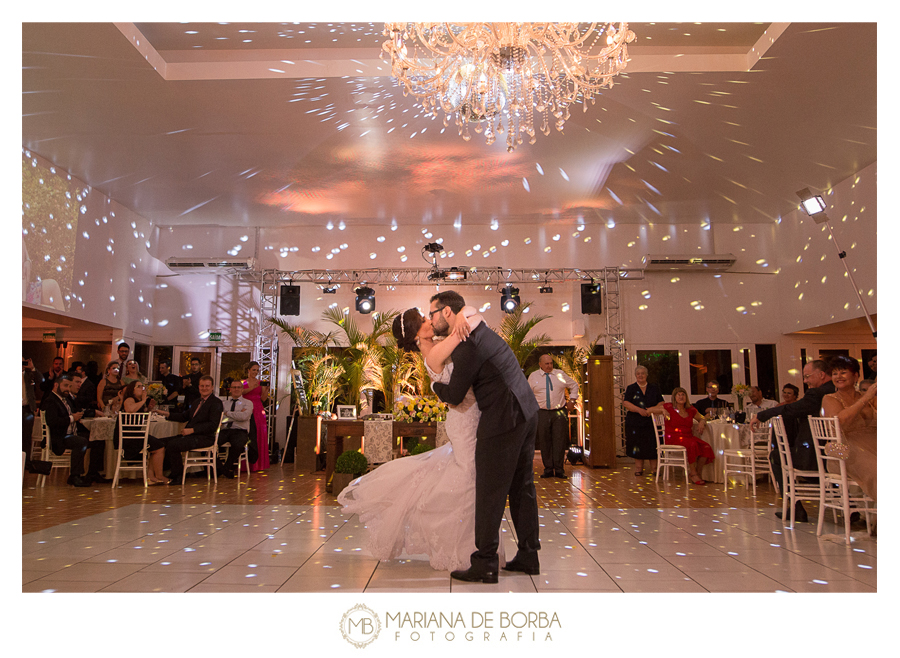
x,y
839,492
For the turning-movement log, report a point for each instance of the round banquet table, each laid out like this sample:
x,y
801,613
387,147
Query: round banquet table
x,y
102,429
722,436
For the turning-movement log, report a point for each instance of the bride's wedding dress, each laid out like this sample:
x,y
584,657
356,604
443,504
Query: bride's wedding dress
x,y
424,504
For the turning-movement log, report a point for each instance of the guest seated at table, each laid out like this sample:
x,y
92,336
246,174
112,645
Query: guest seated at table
x,y
680,417
757,402
109,387
65,434
236,433
135,400
133,373
711,401
857,414
789,393
202,418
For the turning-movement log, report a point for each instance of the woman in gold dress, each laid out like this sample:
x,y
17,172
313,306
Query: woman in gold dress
x,y
857,414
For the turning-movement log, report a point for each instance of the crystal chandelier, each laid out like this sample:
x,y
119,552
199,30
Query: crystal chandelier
x,y
496,75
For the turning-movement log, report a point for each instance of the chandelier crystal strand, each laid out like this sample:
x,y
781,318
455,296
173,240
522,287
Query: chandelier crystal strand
x,y
497,75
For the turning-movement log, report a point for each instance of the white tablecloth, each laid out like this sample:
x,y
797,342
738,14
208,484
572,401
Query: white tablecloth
x,y
723,436
102,429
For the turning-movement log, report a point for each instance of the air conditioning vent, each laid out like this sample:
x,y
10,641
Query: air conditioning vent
x,y
210,265
689,263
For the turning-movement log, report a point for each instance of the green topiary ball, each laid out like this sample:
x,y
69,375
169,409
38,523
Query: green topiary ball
x,y
420,448
351,462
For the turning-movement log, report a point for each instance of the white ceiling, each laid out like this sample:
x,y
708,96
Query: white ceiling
x,y
213,135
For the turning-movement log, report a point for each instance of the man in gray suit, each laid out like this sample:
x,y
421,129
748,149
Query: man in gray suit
x,y
504,448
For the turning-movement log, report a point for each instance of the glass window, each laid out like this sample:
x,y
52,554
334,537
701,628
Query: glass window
x,y
663,369
231,367
161,353
709,365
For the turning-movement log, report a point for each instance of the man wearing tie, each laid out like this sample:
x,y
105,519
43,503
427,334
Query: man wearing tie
x,y
202,418
237,433
64,434
549,385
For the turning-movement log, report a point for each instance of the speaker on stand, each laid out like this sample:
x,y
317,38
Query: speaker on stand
x,y
591,299
289,300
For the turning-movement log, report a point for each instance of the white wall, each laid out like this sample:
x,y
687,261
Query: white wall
x,y
125,285
112,272
814,287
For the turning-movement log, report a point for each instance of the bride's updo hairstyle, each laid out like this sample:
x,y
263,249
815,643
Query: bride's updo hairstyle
x,y
405,327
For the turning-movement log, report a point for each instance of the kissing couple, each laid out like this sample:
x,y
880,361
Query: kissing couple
x,y
448,503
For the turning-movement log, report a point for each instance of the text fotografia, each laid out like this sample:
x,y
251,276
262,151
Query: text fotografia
x,y
478,626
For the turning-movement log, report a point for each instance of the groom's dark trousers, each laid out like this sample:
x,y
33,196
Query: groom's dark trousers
x,y
504,447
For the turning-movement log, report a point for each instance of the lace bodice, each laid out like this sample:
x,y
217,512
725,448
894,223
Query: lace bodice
x,y
462,420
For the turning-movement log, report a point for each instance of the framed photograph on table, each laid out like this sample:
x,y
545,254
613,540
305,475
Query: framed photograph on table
x,y
346,411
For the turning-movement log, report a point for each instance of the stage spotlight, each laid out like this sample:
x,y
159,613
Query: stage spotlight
x,y
329,290
813,205
509,299
365,299
545,290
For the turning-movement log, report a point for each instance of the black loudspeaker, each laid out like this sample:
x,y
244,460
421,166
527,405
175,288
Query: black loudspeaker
x,y
289,303
591,299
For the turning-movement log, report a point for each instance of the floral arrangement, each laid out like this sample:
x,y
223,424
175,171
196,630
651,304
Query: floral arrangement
x,y
421,410
740,391
157,391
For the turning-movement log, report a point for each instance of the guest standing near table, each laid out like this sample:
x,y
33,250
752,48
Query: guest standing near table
x,y
122,351
171,381
640,435
202,418
258,393
549,386
190,386
109,386
132,373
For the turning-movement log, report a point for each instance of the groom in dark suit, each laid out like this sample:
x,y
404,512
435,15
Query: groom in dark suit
x,y
504,448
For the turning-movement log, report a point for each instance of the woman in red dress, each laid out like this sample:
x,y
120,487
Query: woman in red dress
x,y
258,393
680,416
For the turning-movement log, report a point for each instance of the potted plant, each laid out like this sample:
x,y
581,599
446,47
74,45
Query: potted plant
x,y
347,467
419,448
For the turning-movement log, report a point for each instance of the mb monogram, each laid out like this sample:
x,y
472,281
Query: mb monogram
x,y
360,625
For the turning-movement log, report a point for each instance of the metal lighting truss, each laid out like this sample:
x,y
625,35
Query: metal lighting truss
x,y
271,280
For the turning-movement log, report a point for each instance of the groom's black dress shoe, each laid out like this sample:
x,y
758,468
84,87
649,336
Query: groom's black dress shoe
x,y
475,576
519,566
548,474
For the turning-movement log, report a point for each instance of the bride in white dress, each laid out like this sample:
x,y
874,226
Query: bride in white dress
x,y
425,504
